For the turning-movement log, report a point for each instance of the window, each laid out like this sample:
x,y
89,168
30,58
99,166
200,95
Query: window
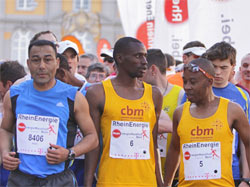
x,y
82,5
19,46
26,4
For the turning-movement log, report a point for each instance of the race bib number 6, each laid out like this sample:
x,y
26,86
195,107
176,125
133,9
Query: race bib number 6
x,y
35,133
130,140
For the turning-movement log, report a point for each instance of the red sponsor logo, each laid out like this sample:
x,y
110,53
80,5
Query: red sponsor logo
x,y
116,133
21,127
176,11
187,155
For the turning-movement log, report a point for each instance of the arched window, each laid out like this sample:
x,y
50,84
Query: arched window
x,y
19,46
82,5
26,4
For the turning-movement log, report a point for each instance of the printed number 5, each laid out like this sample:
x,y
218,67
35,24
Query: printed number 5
x,y
201,163
131,143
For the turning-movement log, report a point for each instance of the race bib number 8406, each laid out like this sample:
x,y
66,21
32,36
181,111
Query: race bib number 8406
x,y
35,133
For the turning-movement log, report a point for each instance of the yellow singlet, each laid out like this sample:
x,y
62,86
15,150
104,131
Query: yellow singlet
x,y
170,102
128,149
206,148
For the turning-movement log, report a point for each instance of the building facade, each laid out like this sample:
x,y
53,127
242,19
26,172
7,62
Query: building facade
x,y
92,24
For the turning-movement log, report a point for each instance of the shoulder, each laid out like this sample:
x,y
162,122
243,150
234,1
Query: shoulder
x,y
80,77
62,87
19,88
95,92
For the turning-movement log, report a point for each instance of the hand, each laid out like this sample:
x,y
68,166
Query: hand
x,y
243,184
9,161
56,154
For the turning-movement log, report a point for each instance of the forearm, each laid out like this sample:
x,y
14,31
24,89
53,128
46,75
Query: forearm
x,y
88,143
90,165
157,168
171,165
245,169
5,140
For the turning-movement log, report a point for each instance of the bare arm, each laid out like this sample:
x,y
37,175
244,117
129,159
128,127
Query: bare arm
x,y
165,123
157,97
8,159
239,121
95,98
173,155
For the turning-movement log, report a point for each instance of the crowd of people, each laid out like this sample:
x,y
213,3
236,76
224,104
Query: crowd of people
x,y
137,119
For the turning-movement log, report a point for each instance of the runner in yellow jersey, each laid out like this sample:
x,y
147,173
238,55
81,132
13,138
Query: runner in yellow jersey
x,y
172,96
202,132
125,110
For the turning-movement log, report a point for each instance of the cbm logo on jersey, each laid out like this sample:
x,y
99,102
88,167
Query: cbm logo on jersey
x,y
202,131
131,111
176,11
21,127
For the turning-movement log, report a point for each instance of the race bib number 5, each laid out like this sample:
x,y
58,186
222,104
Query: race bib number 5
x,y
202,160
35,133
130,140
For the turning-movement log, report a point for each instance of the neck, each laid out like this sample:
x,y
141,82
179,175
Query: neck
x,y
246,84
162,84
206,100
45,86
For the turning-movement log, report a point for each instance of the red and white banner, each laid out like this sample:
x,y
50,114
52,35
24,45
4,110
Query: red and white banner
x,y
137,17
180,21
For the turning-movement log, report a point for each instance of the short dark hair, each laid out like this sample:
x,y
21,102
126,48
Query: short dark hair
x,y
42,43
11,71
97,67
122,45
193,44
221,51
156,57
63,62
170,59
37,35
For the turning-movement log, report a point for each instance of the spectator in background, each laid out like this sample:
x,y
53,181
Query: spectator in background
x,y
63,73
244,78
84,62
192,50
109,61
70,51
97,72
10,71
171,64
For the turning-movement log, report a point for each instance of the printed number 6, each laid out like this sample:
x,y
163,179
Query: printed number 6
x,y
131,143
201,163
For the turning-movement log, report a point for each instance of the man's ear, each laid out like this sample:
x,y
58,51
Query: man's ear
x,y
154,69
58,62
8,84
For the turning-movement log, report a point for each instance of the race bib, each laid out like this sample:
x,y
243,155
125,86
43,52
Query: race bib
x,y
35,133
162,144
130,140
78,138
202,160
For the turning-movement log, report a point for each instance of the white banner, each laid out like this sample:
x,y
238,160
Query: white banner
x,y
180,21
209,21
137,17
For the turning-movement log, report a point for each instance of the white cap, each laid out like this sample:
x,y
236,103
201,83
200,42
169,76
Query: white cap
x,y
64,45
195,50
107,52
